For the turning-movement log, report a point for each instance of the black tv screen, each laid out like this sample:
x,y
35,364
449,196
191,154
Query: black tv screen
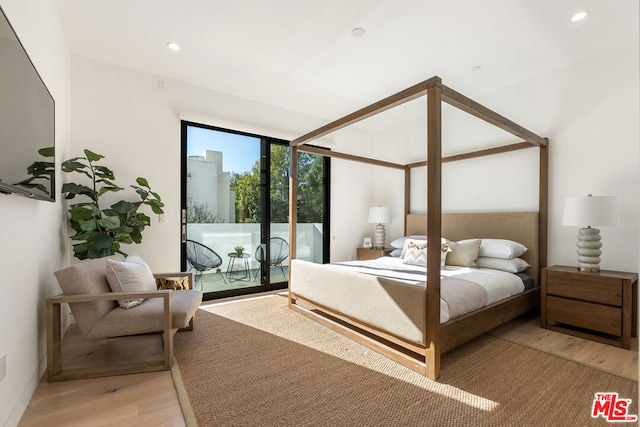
x,y
27,117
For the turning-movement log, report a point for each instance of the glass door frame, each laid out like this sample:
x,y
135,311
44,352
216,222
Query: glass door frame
x,y
265,206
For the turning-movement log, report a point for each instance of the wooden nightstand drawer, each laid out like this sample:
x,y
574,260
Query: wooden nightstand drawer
x,y
596,317
367,253
586,287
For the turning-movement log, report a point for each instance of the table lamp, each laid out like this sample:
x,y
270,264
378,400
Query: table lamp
x,y
587,212
379,215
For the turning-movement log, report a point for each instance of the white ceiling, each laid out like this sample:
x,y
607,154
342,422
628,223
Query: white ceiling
x,y
300,55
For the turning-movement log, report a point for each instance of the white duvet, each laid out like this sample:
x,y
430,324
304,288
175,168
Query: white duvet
x,y
498,284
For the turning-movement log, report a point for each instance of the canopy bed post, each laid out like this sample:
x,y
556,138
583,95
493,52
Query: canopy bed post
x,y
293,207
407,195
543,203
434,209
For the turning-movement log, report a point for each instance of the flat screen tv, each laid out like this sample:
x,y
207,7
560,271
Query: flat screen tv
x,y
27,129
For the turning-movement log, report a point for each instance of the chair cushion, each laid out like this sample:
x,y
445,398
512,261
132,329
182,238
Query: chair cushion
x,y
87,277
130,275
147,317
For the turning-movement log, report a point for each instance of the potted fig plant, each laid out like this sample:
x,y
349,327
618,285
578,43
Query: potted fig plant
x,y
101,231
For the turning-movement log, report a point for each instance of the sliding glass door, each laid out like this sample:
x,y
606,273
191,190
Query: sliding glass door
x,y
235,201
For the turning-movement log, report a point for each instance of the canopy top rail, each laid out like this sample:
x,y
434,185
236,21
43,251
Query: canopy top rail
x,y
449,96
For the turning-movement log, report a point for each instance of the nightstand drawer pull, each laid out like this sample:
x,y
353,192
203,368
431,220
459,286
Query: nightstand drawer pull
x,y
586,315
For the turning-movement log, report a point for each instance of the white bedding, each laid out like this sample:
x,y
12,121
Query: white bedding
x,y
497,284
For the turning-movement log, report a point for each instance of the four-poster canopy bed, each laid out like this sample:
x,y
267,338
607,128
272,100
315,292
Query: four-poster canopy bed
x,y
400,320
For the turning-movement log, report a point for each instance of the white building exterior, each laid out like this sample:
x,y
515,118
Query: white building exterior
x,y
208,184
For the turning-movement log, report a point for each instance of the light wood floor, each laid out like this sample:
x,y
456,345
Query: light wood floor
x,y
151,399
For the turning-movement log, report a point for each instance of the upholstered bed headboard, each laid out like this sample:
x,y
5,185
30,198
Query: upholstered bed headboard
x,y
517,226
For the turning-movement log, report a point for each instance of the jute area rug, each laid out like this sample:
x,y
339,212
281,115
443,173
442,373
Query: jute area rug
x,y
257,363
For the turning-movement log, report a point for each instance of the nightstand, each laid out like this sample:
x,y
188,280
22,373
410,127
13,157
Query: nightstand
x,y
366,253
596,306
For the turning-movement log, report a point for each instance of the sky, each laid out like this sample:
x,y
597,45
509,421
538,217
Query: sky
x,y
240,152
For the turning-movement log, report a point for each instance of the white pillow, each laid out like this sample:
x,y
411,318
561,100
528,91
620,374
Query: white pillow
x,y
415,253
130,275
396,253
514,265
500,248
399,242
463,253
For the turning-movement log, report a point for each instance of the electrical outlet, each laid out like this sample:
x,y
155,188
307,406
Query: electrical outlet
x,y
162,218
3,366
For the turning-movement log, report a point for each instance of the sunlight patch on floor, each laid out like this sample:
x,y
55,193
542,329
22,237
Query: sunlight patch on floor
x,y
343,348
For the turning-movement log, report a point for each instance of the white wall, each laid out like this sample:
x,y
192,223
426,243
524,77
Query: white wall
x,y
591,113
32,232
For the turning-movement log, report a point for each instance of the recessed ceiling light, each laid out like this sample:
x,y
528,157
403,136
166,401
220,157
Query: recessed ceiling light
x,y
357,32
173,46
579,16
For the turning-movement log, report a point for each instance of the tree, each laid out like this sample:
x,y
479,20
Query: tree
x,y
200,213
310,191
247,189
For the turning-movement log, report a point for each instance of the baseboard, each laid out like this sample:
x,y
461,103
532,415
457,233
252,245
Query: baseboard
x,y
26,395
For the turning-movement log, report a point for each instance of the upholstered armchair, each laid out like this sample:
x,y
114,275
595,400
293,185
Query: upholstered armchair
x,y
112,297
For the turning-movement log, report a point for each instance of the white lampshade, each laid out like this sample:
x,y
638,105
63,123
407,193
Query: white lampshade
x,y
586,212
591,211
379,215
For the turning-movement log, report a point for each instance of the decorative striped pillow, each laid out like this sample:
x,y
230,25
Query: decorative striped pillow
x,y
415,253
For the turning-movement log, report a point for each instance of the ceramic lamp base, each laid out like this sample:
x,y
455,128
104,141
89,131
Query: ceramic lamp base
x,y
589,252
378,236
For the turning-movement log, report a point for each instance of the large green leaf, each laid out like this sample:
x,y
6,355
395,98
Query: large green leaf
x,y
108,223
47,151
123,229
102,241
124,208
85,235
88,225
91,156
73,189
107,189
123,238
94,252
156,206
142,181
136,235
109,183
73,165
139,220
104,172
142,192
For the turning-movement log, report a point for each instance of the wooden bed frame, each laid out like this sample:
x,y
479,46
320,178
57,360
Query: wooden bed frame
x,y
439,338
